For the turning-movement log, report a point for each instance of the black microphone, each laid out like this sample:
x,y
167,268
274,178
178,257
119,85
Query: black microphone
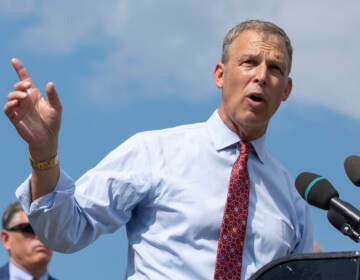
x,y
339,222
315,189
352,169
319,192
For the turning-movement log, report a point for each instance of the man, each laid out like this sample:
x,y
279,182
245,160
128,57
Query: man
x,y
29,257
170,187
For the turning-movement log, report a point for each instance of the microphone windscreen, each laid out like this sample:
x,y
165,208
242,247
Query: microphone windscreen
x,y
315,189
352,169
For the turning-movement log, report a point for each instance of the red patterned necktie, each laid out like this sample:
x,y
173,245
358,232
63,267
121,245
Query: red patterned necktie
x,y
233,226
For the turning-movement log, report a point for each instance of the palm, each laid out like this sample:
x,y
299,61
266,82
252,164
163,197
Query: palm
x,y
37,120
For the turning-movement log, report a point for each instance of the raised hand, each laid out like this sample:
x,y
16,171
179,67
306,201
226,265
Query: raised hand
x,y
37,120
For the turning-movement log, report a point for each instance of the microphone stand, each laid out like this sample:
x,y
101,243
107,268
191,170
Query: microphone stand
x,y
338,220
348,230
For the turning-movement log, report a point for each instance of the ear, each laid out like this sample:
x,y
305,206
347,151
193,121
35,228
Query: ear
x,y
5,238
219,74
287,90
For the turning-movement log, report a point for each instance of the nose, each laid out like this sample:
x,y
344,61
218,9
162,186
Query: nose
x,y
261,74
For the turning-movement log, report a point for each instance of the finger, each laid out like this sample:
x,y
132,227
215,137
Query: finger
x,y
23,85
52,96
15,109
10,110
16,95
20,69
15,105
9,106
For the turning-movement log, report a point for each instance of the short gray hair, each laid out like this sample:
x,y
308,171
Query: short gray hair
x,y
260,26
9,213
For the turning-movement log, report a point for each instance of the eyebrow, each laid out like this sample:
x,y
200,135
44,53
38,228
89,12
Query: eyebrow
x,y
279,61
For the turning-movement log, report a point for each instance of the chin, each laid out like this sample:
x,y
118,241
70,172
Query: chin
x,y
255,121
42,257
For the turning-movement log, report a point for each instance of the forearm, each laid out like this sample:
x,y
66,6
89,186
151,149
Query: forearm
x,y
43,181
49,224
63,209
52,213
45,171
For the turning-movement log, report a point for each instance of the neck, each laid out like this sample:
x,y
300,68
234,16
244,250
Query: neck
x,y
34,270
246,132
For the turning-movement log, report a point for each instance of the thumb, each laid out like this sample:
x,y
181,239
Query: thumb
x,y
52,96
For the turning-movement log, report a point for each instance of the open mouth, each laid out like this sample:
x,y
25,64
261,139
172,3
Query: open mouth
x,y
256,98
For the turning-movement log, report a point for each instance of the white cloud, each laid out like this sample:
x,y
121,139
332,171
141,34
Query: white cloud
x,y
326,54
15,8
170,47
63,26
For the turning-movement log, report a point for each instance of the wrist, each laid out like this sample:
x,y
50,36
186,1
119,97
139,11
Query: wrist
x,y
44,164
42,152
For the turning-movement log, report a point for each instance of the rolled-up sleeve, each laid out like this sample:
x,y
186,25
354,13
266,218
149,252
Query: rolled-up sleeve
x,y
102,200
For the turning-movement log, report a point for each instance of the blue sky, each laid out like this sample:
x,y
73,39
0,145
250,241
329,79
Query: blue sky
x,y
126,66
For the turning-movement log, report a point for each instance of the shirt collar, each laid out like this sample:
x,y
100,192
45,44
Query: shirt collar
x,y
223,137
18,274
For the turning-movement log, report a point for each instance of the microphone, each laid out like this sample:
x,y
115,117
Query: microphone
x,y
352,169
315,189
318,191
339,222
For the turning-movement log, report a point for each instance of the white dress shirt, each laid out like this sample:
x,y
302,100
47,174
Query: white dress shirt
x,y
169,188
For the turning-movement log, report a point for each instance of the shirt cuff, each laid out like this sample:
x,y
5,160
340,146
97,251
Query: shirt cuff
x,y
64,186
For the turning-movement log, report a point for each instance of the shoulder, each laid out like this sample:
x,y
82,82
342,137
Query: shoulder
x,y
51,278
172,132
143,149
162,138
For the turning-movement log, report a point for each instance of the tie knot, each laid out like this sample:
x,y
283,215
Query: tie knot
x,y
245,148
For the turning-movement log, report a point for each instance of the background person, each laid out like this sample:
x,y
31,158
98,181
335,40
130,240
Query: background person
x,y
28,256
170,187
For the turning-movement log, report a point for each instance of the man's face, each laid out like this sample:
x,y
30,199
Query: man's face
x,y
254,81
25,249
